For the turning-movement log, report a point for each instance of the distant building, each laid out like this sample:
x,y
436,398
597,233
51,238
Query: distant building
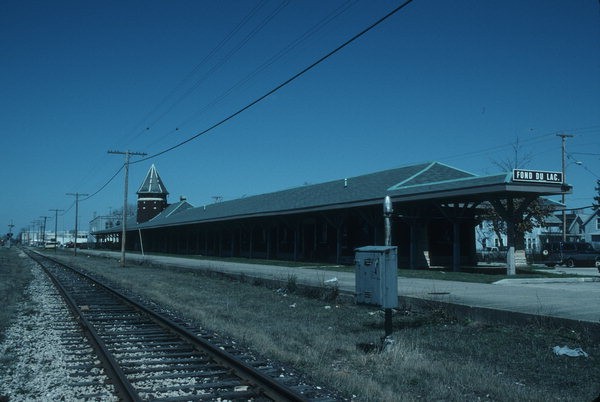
x,y
550,230
581,227
586,226
33,237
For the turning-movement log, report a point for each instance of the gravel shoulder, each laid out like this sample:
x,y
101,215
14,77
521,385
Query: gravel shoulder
x,y
42,356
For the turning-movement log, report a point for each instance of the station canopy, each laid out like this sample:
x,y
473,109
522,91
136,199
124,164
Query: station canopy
x,y
425,182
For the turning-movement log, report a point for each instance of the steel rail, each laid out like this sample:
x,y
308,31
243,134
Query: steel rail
x,y
123,387
269,386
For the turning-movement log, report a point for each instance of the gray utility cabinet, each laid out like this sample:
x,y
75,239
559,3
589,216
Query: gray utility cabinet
x,y
377,276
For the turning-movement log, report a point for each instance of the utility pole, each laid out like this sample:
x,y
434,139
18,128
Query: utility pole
x,y
564,180
44,231
10,226
124,222
34,232
56,226
77,195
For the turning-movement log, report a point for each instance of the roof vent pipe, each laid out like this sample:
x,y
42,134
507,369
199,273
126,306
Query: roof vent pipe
x,y
345,183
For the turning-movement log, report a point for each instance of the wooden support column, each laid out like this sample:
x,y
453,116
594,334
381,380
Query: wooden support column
x,y
268,231
241,240
198,241
220,240
418,236
374,220
296,240
251,247
338,245
337,221
277,241
412,264
455,214
206,241
456,260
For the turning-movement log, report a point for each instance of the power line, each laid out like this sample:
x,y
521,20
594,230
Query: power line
x,y
497,147
68,209
211,71
105,184
283,84
55,210
583,165
288,48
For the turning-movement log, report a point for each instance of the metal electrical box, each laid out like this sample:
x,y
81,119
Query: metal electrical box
x,y
377,276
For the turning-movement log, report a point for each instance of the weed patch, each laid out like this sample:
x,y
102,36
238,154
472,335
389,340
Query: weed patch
x,y
14,277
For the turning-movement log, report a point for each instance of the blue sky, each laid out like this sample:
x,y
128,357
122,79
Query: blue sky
x,y
457,82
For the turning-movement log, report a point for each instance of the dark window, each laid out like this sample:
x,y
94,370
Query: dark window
x,y
584,247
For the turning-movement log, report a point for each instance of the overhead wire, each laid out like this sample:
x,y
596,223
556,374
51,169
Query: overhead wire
x,y
214,51
105,184
223,60
95,193
288,48
67,210
196,69
526,141
273,59
281,85
498,147
580,163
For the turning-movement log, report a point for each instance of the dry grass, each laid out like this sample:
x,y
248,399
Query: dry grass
x,y
434,357
14,277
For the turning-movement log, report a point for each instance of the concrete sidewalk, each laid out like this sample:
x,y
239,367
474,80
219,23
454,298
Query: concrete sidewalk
x,y
572,299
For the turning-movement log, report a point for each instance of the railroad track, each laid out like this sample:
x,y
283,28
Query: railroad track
x,y
148,355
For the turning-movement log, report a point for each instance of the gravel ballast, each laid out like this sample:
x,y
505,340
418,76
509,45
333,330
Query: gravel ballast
x,y
45,355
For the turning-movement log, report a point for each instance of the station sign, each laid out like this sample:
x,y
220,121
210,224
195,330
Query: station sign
x,y
537,176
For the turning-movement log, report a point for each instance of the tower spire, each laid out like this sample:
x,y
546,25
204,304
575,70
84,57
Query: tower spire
x,y
152,196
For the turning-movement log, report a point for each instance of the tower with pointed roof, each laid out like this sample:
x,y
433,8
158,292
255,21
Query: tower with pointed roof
x,y
152,196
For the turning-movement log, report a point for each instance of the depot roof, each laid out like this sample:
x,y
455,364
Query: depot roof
x,y
415,183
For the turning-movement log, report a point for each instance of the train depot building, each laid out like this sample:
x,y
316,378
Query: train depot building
x,y
436,208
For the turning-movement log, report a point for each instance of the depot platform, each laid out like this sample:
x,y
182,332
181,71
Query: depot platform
x,y
572,302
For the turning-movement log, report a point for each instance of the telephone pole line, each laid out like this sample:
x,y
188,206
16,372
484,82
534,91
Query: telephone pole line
x,y
11,225
124,222
77,195
44,231
56,226
564,178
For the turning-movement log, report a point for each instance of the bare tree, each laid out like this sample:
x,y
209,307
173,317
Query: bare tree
x,y
518,160
131,211
531,213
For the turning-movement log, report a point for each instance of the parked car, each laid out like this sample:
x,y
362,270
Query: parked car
x,y
570,254
51,244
